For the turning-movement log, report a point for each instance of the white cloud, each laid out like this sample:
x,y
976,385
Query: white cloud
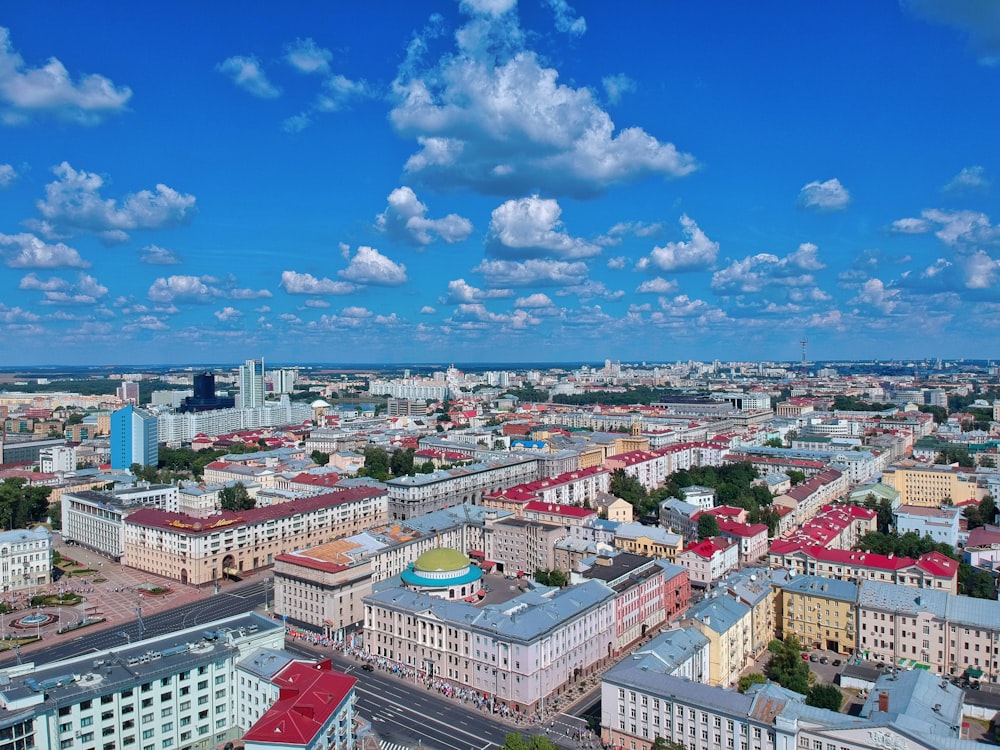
x,y
307,57
825,196
7,176
305,283
962,227
227,314
755,272
316,303
617,263
32,282
698,252
25,250
427,310
981,270
459,291
49,90
369,266
246,73
616,86
531,227
658,285
73,204
491,117
590,289
538,299
238,293
145,323
356,312
339,91
874,294
16,315
566,18
910,226
155,255
86,291
489,7
969,178
979,19
616,234
935,268
502,273
477,313
405,219
188,288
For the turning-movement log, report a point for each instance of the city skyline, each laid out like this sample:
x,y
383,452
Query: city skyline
x,y
496,181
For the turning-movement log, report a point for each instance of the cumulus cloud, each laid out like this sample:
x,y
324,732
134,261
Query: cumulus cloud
x,y
25,250
32,282
874,294
825,196
73,205
978,19
459,291
145,323
619,231
427,310
618,263
936,268
970,178
405,219
307,57
502,273
86,291
530,227
538,299
658,285
981,270
49,90
186,288
910,226
369,266
697,252
227,314
155,255
961,227
755,272
305,283
7,176
492,117
246,73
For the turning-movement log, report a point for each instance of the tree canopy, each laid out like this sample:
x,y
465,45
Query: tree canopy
x,y
21,504
708,525
787,667
235,497
516,741
822,695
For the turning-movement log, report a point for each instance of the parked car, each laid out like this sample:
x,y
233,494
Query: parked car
x,y
824,660
814,658
368,667
805,656
837,662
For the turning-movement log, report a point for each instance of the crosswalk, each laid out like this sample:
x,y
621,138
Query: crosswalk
x,y
383,745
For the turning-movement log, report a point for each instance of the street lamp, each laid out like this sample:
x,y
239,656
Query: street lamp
x,y
126,636
138,613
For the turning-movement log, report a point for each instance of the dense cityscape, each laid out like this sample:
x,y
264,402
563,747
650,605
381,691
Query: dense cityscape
x,y
790,551
499,375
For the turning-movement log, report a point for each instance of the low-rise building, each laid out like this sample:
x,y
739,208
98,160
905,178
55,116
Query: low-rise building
x,y
650,541
25,559
940,524
820,612
728,625
708,560
640,586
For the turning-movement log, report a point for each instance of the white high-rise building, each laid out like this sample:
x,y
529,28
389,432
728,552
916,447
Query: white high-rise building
x,y
282,381
251,384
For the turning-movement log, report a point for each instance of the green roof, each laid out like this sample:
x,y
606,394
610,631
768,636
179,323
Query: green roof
x,y
442,559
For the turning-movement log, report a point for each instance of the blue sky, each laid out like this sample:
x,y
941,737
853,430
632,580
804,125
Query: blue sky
x,y
494,180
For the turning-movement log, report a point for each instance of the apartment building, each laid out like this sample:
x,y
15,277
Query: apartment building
x,y
519,545
929,571
932,485
820,612
25,558
728,625
805,500
417,495
708,560
198,551
940,524
520,652
640,585
650,541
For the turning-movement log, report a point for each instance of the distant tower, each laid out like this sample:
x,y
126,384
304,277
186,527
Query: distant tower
x,y
252,384
804,342
133,438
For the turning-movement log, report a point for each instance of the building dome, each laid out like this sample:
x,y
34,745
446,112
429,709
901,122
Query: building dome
x,y
319,404
443,560
444,573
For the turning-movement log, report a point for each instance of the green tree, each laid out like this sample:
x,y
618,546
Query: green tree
x,y
376,463
55,515
980,585
748,680
401,462
661,743
628,488
516,741
797,477
822,695
988,510
74,418
235,497
319,457
774,443
708,525
427,467
21,504
954,454
145,473
787,667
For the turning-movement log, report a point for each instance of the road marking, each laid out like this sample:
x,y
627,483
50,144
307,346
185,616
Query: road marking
x,y
407,709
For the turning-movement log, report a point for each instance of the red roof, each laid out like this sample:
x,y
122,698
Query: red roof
x,y
318,480
573,511
185,524
310,695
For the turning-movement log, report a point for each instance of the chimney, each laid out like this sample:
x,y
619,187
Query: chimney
x,y
883,702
